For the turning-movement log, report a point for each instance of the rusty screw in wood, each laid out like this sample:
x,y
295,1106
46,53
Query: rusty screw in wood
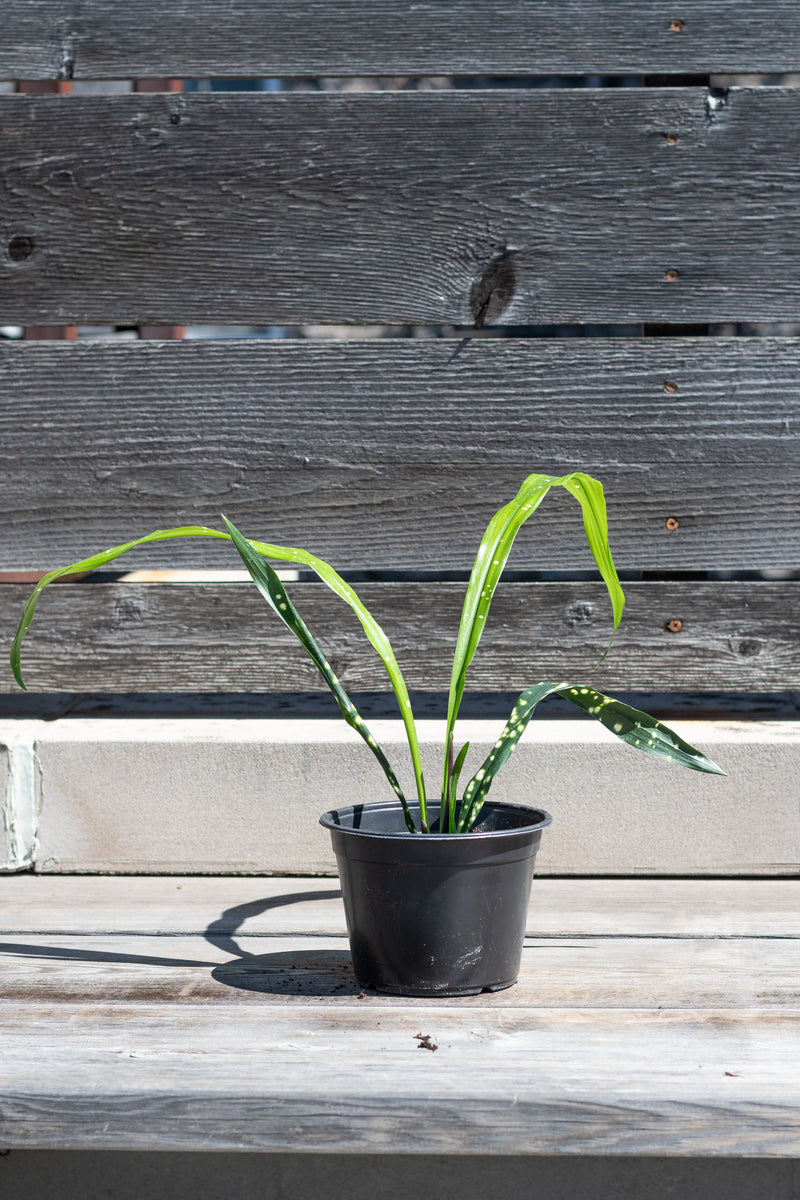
x,y
671,523
671,275
674,626
20,247
670,385
671,138
676,26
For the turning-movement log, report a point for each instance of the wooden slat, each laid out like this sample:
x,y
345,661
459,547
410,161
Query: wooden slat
x,y
44,87
352,1079
225,908
287,970
394,454
220,637
159,85
675,1046
397,207
199,38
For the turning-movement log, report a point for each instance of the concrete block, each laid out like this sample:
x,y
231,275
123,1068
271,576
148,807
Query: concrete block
x,y
244,796
5,847
19,794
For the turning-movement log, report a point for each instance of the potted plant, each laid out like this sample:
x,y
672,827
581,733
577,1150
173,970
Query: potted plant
x,y
436,890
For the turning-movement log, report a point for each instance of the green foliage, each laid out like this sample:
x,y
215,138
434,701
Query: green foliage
x,y
292,554
634,727
276,596
490,560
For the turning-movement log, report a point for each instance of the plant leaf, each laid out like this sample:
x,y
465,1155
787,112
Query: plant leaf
x,y
455,775
492,556
478,787
589,493
375,636
326,573
273,591
91,564
638,729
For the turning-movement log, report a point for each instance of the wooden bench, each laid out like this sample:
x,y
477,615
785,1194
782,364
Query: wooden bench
x,y
173,732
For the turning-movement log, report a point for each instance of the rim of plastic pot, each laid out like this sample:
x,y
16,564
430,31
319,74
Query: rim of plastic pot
x,y
533,820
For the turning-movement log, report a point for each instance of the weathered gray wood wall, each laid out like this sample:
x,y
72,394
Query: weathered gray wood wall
x,y
215,38
637,204
553,206
395,453
221,637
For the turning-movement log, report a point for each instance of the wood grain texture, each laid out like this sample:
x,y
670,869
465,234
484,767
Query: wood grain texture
x,y
199,38
401,207
287,970
234,1037
394,454
353,1079
221,637
223,907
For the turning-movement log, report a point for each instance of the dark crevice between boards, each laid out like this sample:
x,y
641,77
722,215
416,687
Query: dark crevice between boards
x,y
439,575
54,706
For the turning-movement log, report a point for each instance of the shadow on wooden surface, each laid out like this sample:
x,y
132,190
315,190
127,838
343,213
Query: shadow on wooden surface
x,y
292,973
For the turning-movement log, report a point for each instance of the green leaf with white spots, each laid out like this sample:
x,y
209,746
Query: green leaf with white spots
x,y
492,556
638,729
476,790
274,592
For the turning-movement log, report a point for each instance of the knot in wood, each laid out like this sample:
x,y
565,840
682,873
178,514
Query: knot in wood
x,y
20,247
580,613
749,647
493,291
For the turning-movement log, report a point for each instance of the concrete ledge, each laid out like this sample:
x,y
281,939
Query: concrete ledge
x,y
243,796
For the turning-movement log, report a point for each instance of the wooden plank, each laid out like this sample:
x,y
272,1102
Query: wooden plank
x,y
264,907
394,454
250,1036
297,208
557,973
351,1078
220,637
44,87
200,38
